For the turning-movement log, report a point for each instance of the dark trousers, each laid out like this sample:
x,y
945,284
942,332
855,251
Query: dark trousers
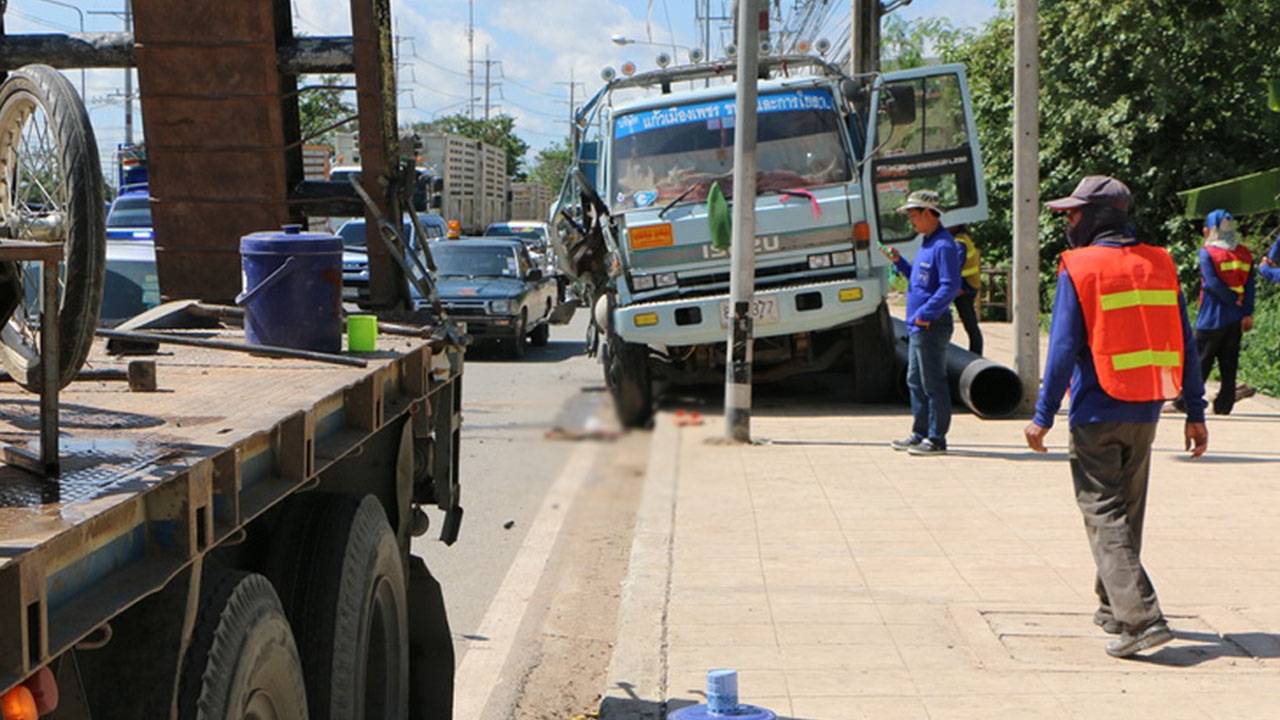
x,y
1222,345
927,380
969,318
1110,465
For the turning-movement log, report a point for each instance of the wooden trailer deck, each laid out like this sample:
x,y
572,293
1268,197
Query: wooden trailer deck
x,y
151,480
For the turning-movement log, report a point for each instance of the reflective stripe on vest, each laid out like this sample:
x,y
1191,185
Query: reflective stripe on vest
x,y
1232,266
1129,298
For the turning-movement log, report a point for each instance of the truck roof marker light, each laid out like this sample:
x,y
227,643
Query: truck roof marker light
x,y
822,46
696,56
628,68
802,46
730,51
765,47
852,294
646,319
663,60
608,74
862,232
18,704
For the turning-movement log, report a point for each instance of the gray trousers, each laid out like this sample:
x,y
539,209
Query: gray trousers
x,y
1110,464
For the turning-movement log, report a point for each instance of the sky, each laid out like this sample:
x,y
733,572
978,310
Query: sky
x,y
532,51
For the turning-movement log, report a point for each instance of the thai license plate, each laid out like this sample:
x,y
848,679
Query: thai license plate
x,y
764,310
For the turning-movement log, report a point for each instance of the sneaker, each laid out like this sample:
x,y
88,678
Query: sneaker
x,y
927,447
1109,625
906,443
1156,634
1245,391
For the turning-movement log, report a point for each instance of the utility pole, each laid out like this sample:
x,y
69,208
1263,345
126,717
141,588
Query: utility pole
x,y
127,15
865,37
573,119
487,83
742,279
471,57
1026,199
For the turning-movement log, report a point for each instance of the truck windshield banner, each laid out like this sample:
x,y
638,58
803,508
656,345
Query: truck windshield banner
x,y
719,113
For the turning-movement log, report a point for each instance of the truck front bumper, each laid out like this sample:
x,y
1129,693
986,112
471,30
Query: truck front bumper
x,y
779,311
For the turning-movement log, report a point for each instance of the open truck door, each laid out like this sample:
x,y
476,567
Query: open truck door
x,y
923,138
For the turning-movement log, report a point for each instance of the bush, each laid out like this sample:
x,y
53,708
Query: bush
x,y
1260,352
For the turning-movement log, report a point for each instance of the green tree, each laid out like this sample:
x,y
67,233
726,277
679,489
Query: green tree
x,y
321,107
498,130
1163,94
551,164
905,44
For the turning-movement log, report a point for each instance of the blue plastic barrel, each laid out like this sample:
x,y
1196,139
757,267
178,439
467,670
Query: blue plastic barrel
x,y
292,289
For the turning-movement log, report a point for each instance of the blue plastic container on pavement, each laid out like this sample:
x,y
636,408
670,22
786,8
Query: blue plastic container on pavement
x,y
292,289
722,701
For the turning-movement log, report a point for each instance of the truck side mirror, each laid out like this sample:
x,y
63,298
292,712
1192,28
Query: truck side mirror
x,y
901,104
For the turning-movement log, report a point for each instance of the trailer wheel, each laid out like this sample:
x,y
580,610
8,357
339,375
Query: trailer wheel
x,y
626,372
50,191
874,371
541,335
242,663
341,578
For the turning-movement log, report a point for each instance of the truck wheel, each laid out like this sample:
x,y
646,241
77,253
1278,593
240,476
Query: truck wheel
x,y
874,371
515,350
626,370
50,191
341,579
541,335
242,662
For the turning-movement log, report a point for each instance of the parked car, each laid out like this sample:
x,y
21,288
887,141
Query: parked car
x,y
535,234
496,288
132,285
129,217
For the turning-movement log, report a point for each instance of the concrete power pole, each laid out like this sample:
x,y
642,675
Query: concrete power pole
x,y
1026,199
742,278
864,56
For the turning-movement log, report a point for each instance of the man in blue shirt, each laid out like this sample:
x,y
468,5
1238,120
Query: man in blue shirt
x,y
1269,266
933,281
1114,336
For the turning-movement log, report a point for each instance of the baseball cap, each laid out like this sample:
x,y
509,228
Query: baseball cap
x,y
1096,190
923,199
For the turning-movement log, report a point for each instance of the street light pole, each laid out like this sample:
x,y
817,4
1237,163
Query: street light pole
x,y
81,14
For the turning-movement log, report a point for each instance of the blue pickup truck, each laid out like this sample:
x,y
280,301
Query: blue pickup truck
x,y
496,288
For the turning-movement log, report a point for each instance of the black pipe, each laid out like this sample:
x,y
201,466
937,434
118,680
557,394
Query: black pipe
x,y
990,390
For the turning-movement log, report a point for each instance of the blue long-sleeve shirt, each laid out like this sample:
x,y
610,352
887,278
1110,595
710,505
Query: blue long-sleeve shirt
x,y
1070,362
933,278
1271,272
1218,307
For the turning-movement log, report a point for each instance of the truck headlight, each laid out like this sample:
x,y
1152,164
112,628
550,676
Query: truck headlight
x,y
817,262
502,307
666,279
642,282
844,257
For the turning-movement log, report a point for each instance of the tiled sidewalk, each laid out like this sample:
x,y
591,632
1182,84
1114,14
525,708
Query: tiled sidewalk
x,y
845,580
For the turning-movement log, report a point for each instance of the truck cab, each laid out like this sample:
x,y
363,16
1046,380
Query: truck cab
x,y
835,157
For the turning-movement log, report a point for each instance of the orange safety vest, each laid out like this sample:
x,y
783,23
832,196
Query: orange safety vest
x,y
1129,296
1232,265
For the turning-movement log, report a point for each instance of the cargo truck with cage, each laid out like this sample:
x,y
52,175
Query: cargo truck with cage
x,y
193,525
835,157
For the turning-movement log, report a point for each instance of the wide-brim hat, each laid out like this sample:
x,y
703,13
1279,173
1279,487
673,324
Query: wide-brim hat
x,y
923,200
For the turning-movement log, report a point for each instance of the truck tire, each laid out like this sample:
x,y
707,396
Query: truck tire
x,y
541,335
515,350
341,578
50,191
626,372
242,661
874,363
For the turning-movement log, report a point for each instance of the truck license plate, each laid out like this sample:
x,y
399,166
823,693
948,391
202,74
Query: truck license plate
x,y
764,310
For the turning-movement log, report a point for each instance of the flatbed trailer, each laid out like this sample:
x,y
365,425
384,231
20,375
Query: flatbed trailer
x,y
237,464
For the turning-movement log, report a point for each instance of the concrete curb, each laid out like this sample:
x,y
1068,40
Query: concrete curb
x,y
637,669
